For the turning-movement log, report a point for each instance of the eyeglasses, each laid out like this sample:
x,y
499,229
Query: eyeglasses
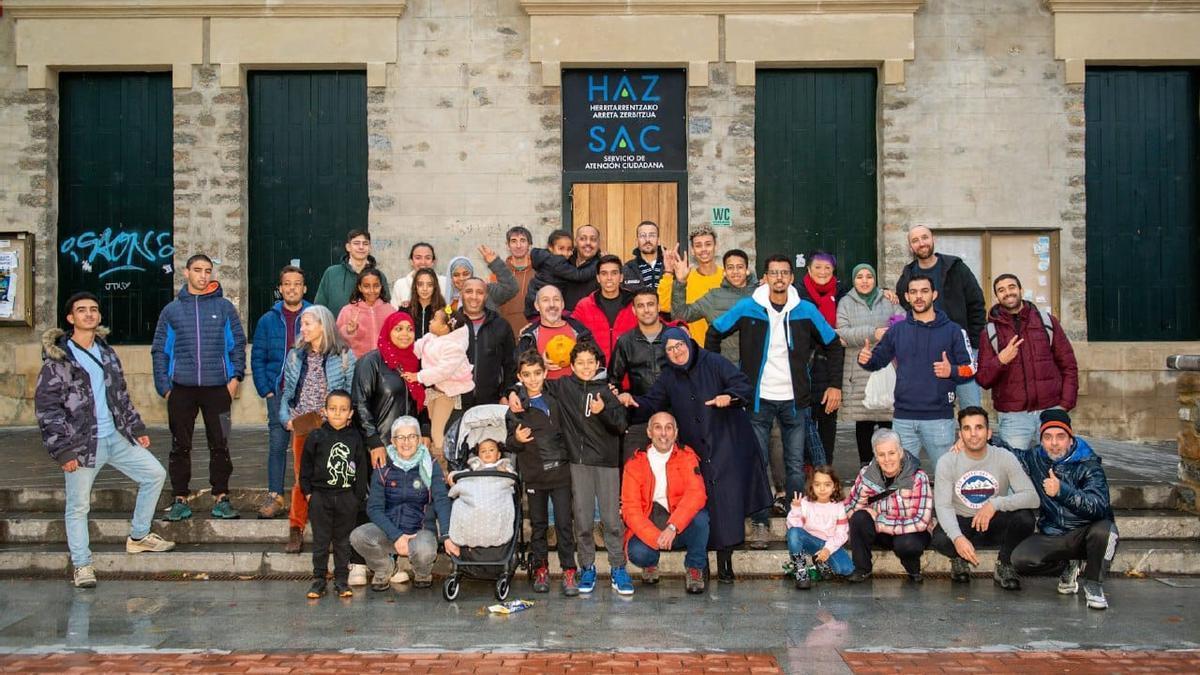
x,y
677,347
777,273
648,235
405,437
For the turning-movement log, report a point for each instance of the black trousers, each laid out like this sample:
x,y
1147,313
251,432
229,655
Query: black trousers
x,y
182,405
1045,554
539,522
635,439
826,428
862,437
863,536
1007,529
333,515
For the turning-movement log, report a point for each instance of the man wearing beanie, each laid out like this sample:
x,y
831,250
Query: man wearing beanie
x,y
1075,519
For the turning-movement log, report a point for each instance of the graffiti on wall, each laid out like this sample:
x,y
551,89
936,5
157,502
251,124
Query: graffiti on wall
x,y
108,252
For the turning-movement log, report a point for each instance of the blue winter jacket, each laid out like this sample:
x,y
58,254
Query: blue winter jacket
x,y
921,395
1082,497
199,341
269,348
339,374
400,503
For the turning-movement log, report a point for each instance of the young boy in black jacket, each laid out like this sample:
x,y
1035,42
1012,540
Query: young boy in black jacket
x,y
536,435
334,470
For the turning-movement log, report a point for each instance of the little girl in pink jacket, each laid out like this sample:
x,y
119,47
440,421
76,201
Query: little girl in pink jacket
x,y
445,371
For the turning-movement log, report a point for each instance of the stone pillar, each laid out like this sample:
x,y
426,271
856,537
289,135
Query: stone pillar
x,y
1188,388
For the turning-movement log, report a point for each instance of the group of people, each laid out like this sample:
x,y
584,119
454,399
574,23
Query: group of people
x,y
643,390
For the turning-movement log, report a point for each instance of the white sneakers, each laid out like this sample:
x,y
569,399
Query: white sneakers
x,y
85,577
400,577
358,575
151,543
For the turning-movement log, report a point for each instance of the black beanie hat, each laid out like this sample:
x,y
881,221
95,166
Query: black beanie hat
x,y
1056,418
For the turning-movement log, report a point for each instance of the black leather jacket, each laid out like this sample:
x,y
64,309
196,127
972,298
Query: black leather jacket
x,y
380,398
636,361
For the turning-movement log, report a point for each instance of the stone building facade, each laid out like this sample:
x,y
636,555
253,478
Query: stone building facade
x,y
980,126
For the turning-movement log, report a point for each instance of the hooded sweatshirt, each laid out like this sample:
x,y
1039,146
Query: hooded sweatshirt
x,y
916,346
708,307
338,282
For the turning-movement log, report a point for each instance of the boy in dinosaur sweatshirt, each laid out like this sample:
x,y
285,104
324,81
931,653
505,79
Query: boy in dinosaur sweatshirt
x,y
334,469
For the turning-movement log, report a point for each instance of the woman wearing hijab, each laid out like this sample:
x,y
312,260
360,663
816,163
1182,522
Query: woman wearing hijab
x,y
707,394
863,315
498,293
380,393
820,287
409,511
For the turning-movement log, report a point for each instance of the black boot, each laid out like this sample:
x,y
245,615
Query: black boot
x,y
725,566
800,571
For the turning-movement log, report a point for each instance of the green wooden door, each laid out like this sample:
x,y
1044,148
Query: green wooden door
x,y
1142,212
308,174
814,135
115,211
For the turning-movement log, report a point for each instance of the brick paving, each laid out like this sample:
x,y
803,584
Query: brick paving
x,y
477,663
1028,663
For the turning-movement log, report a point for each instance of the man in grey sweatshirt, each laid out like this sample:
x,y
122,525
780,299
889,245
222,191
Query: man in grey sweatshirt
x,y
981,496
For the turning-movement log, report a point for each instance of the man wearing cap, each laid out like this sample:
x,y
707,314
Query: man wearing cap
x,y
1075,522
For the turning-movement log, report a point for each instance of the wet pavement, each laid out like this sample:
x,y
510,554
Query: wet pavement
x,y
805,631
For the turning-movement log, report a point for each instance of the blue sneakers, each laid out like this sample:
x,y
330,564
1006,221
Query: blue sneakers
x,y
587,579
621,582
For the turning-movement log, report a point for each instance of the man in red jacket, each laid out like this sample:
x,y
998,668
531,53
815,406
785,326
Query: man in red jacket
x,y
1027,361
608,311
662,504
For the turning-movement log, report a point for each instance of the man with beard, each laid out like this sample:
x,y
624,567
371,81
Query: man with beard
x,y
647,261
491,350
958,295
1027,361
637,360
932,355
573,272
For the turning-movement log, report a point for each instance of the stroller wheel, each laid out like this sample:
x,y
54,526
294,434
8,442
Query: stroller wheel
x,y
502,588
450,588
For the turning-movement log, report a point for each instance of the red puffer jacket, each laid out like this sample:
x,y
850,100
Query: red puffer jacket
x,y
686,493
1042,376
588,313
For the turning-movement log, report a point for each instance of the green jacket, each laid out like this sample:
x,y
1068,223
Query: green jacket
x,y
337,284
710,306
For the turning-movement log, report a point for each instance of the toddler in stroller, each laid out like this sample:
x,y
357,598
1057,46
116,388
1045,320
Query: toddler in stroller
x,y
485,521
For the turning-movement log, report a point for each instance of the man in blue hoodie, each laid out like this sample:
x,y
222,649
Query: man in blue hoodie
x,y
1075,521
932,355
199,355
274,335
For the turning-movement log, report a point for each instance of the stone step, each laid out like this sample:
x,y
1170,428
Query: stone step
x,y
1135,558
111,527
1125,495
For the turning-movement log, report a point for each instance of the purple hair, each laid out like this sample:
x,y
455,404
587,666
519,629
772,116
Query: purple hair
x,y
827,257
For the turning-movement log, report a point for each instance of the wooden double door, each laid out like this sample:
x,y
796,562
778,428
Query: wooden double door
x,y
616,209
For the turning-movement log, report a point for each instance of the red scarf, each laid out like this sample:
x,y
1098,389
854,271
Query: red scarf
x,y
405,360
824,296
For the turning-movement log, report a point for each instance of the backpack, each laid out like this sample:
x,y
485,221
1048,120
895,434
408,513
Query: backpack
x,y
1046,324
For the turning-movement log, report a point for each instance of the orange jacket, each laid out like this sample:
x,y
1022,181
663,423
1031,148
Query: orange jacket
x,y
685,493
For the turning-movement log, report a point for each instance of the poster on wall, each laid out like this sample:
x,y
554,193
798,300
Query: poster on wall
x,y
624,120
16,279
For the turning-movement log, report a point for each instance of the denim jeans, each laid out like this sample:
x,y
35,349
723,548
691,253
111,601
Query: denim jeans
x,y
936,436
693,539
1020,429
968,394
278,444
130,459
793,425
800,541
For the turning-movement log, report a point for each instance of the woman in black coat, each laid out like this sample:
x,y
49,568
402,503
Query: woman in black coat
x,y
380,394
707,394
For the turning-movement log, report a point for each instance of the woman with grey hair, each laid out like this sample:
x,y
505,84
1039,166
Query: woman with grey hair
x,y
318,364
409,511
891,507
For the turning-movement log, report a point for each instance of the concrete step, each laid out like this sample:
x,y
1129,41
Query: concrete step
x,y
1124,494
112,527
1136,558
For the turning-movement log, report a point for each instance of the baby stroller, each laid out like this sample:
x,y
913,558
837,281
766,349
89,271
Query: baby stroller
x,y
495,563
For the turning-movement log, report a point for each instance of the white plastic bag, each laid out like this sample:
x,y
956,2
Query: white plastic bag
x,y
880,393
